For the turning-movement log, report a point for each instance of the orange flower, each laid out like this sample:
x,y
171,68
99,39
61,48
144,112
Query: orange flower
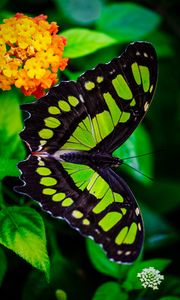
x,y
30,54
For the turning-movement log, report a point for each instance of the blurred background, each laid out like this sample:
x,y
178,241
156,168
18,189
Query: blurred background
x,y
79,268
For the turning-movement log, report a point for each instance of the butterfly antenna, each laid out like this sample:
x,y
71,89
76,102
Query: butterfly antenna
x,y
148,177
149,153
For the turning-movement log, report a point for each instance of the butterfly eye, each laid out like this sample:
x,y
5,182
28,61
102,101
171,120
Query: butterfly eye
x,y
117,162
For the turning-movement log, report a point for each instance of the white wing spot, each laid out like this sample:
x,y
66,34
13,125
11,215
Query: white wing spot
x,y
113,71
139,226
81,98
151,88
127,253
146,105
138,53
137,211
145,54
39,149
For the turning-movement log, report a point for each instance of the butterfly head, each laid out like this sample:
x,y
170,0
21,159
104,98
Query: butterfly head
x,y
116,162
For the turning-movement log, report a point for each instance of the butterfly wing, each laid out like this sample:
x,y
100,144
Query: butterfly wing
x,y
119,93
96,113
98,203
100,110
58,121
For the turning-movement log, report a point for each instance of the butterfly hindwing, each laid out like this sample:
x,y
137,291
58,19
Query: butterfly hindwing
x,y
98,203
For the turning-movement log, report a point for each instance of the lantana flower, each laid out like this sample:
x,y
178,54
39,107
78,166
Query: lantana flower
x,y
150,278
30,54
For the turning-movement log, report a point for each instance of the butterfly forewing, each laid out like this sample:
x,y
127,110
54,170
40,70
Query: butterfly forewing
x,y
119,94
100,110
58,119
94,115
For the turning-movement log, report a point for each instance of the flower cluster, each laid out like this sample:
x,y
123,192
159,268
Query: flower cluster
x,y
150,277
30,54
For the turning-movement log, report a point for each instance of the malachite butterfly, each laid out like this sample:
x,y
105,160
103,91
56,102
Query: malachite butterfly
x,y
72,132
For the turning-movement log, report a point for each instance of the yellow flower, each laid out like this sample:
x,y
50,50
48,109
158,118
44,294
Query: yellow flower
x,y
5,83
41,40
10,69
34,68
30,54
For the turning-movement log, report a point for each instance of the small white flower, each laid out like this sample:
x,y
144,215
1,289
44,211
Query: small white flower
x,y
150,277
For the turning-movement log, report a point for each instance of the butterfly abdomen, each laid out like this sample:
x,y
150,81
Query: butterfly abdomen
x,y
94,159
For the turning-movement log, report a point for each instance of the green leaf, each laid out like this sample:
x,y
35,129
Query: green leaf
x,y
162,42
127,21
154,223
10,123
5,14
132,281
3,264
110,291
137,144
22,231
167,190
8,167
158,232
11,147
102,263
72,75
81,42
80,11
89,62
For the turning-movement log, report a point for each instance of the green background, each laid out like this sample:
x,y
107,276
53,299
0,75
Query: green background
x,y
43,258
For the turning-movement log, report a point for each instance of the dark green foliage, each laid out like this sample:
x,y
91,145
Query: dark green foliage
x,y
130,21
96,31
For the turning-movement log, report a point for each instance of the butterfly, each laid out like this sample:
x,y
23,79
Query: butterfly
x,y
72,133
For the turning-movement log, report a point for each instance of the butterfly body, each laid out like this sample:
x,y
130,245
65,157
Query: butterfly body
x,y
92,159
72,133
